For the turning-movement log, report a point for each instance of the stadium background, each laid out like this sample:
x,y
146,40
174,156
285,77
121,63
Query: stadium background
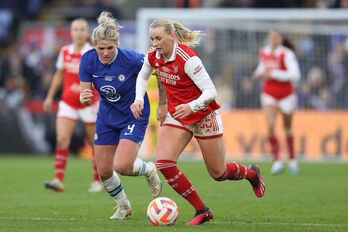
x,y
32,31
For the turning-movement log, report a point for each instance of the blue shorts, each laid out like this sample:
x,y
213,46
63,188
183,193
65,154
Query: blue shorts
x,y
108,135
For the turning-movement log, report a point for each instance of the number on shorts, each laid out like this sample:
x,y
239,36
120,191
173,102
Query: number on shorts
x,y
131,128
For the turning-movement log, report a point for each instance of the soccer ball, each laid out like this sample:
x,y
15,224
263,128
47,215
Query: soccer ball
x,y
162,211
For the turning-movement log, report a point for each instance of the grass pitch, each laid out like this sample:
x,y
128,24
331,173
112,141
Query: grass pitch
x,y
315,200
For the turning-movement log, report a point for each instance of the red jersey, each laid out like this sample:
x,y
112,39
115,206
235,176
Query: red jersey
x,y
273,62
180,88
69,61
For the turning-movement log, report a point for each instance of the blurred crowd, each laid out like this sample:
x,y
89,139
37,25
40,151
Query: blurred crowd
x,y
25,74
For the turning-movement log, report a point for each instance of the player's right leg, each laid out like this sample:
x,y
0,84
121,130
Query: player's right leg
x,y
270,113
64,130
88,115
172,140
105,145
104,155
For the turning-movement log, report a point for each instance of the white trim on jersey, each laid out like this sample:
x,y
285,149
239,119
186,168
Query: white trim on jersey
x,y
196,71
143,80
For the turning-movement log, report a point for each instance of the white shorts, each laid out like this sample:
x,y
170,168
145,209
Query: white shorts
x,y
209,127
87,114
286,105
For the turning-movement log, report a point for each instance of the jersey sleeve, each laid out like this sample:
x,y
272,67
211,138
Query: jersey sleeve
x,y
84,73
60,61
293,71
143,80
196,71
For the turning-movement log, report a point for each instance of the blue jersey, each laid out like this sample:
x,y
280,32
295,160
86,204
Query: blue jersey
x,y
115,83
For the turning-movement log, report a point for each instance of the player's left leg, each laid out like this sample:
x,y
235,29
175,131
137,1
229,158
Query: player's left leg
x,y
293,166
208,133
287,107
213,151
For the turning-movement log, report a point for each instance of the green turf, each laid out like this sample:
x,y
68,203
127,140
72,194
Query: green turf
x,y
315,200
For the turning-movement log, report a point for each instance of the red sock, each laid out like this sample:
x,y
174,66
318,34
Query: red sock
x,y
178,181
61,157
95,172
236,171
274,147
290,142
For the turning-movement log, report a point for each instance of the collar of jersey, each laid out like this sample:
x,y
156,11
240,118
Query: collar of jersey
x,y
111,60
173,56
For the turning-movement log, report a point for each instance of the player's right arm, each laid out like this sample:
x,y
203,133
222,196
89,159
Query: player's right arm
x,y
86,94
85,77
260,69
141,87
55,85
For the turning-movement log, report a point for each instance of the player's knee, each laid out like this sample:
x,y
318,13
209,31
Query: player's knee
x,y
217,175
124,169
62,142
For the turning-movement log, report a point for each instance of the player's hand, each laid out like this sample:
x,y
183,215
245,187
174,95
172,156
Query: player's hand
x,y
162,113
86,97
136,108
182,111
267,74
47,105
256,76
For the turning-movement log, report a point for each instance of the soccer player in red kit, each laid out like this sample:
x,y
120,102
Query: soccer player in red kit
x,y
192,111
279,68
70,109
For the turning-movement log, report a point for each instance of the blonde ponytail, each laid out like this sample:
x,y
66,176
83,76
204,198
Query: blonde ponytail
x,y
183,34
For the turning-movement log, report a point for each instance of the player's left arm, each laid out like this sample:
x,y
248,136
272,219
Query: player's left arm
x,y
162,103
293,70
196,71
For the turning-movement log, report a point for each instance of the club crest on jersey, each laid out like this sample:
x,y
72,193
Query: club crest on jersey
x,y
175,68
109,78
121,77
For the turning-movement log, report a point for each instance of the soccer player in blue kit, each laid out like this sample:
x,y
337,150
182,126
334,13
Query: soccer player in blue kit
x,y
113,72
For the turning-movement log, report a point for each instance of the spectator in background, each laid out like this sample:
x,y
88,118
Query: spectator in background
x,y
279,68
70,109
319,92
12,94
246,92
13,64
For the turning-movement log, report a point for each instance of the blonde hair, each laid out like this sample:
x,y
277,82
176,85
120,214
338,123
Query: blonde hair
x,y
183,34
107,30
